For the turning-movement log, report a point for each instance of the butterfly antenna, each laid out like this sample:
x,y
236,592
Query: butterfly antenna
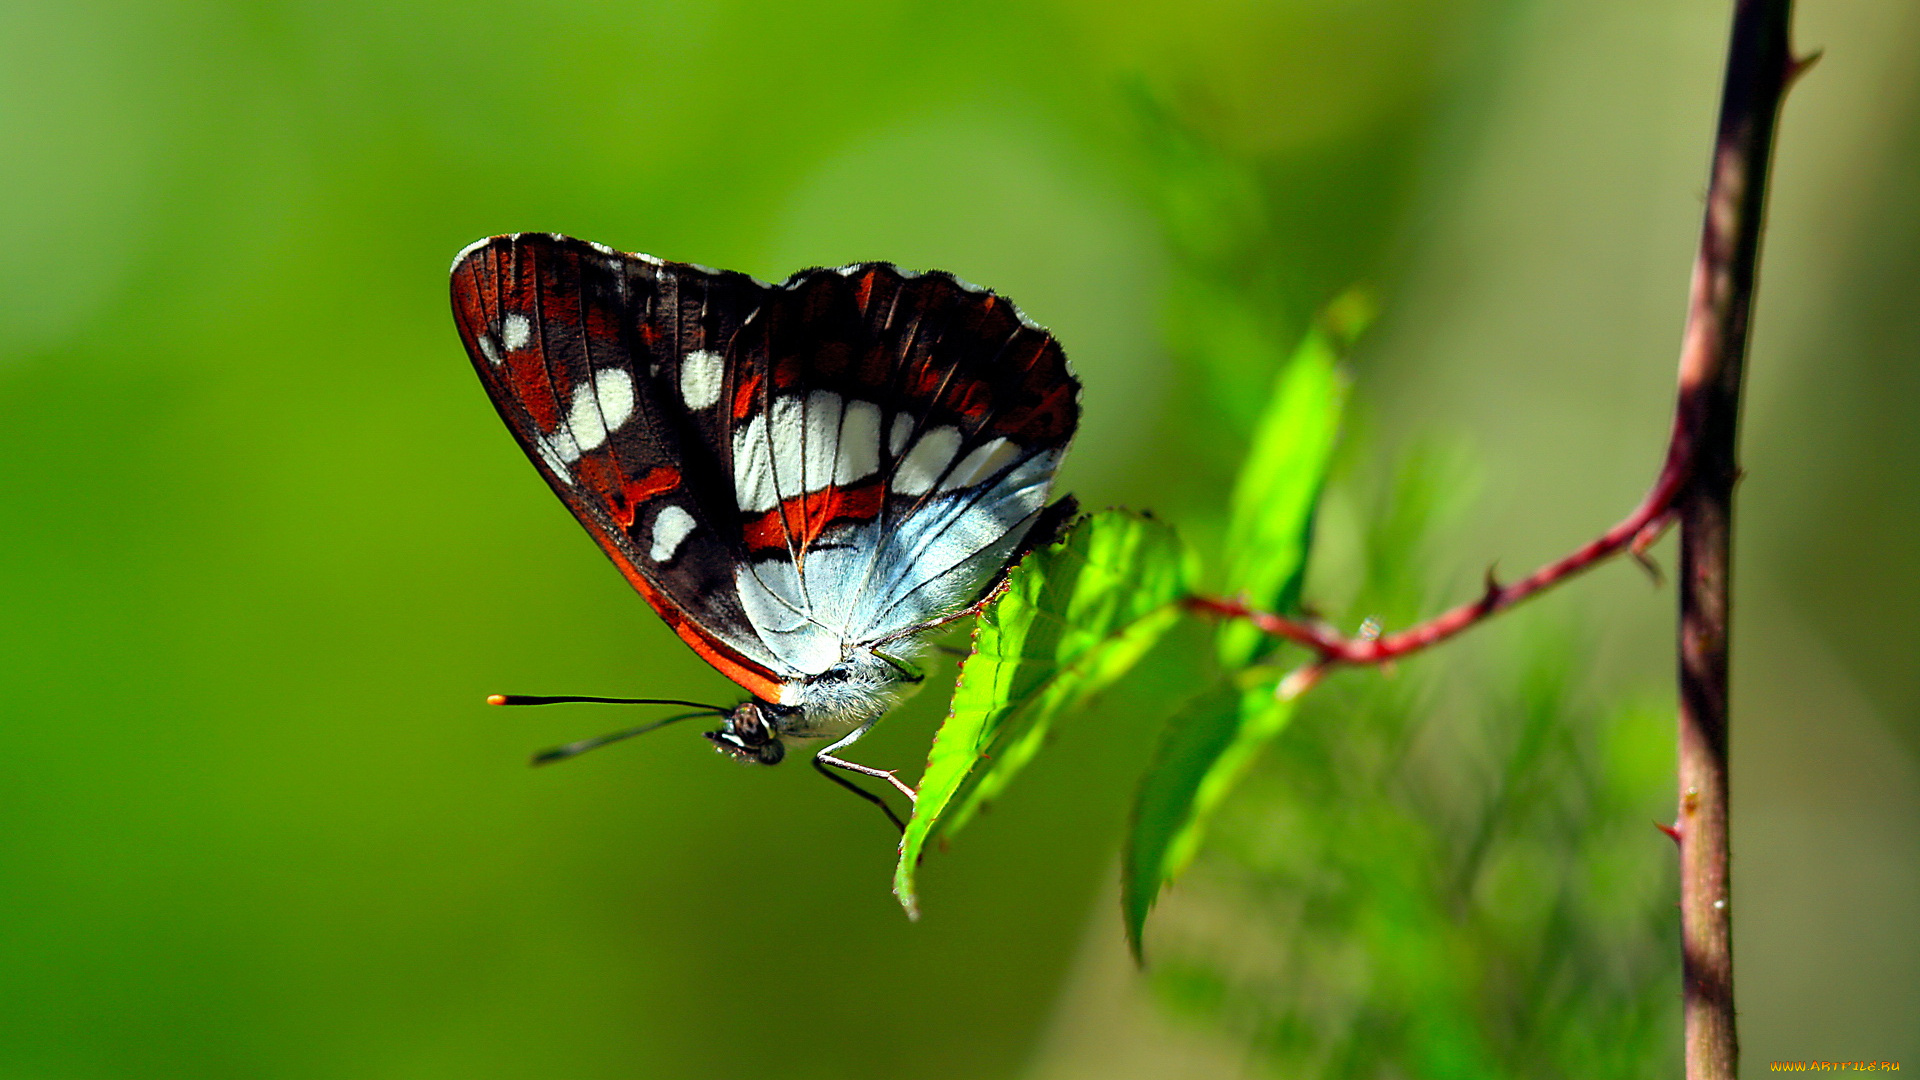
x,y
575,749
529,699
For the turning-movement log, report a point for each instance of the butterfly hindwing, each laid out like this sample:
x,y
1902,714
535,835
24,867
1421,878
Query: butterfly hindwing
x,y
898,440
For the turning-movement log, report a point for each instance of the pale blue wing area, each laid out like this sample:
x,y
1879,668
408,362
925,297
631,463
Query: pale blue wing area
x,y
771,593
939,559
872,581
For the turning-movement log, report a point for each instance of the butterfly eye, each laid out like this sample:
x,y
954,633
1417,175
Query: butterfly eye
x,y
837,674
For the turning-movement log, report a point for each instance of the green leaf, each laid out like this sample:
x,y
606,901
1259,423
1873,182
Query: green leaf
x,y
1273,500
1204,752
1209,746
1074,617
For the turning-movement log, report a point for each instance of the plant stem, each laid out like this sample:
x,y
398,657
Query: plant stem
x,y
1760,67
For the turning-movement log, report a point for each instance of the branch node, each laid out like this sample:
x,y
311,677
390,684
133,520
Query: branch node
x,y
1647,536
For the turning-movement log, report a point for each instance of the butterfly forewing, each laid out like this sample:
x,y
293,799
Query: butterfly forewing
x,y
782,471
582,350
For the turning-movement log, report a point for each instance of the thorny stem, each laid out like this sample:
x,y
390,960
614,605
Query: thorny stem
x,y
1695,488
1760,67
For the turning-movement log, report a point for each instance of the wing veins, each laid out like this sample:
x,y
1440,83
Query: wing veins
x,y
979,493
885,525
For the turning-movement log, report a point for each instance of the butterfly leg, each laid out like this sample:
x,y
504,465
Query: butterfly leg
x,y
863,793
825,757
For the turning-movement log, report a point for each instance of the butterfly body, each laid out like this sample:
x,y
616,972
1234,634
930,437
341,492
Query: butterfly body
x,y
802,479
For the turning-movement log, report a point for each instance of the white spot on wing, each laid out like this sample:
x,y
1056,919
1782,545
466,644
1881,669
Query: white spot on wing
x,y
859,443
823,439
614,387
700,378
670,528
897,437
753,486
921,468
597,407
788,422
516,332
584,421
488,349
985,460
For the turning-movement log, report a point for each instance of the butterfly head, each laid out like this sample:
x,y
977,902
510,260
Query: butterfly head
x,y
751,734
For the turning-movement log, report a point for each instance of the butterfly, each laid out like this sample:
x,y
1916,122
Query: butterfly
x,y
804,480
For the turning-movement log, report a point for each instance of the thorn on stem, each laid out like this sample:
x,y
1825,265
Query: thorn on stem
x,y
1797,68
1672,831
1491,587
1652,567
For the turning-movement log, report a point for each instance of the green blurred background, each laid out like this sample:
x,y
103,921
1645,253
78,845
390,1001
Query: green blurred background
x,y
266,547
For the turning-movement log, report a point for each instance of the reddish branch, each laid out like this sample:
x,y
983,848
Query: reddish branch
x,y
1640,529
1695,488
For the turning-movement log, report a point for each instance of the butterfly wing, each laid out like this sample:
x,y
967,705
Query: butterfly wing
x,y
592,358
895,439
782,471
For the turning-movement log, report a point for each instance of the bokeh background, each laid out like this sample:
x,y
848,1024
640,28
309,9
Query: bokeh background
x,y
264,546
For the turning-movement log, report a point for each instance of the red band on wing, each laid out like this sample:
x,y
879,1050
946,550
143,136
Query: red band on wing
x,y
633,493
743,397
801,520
